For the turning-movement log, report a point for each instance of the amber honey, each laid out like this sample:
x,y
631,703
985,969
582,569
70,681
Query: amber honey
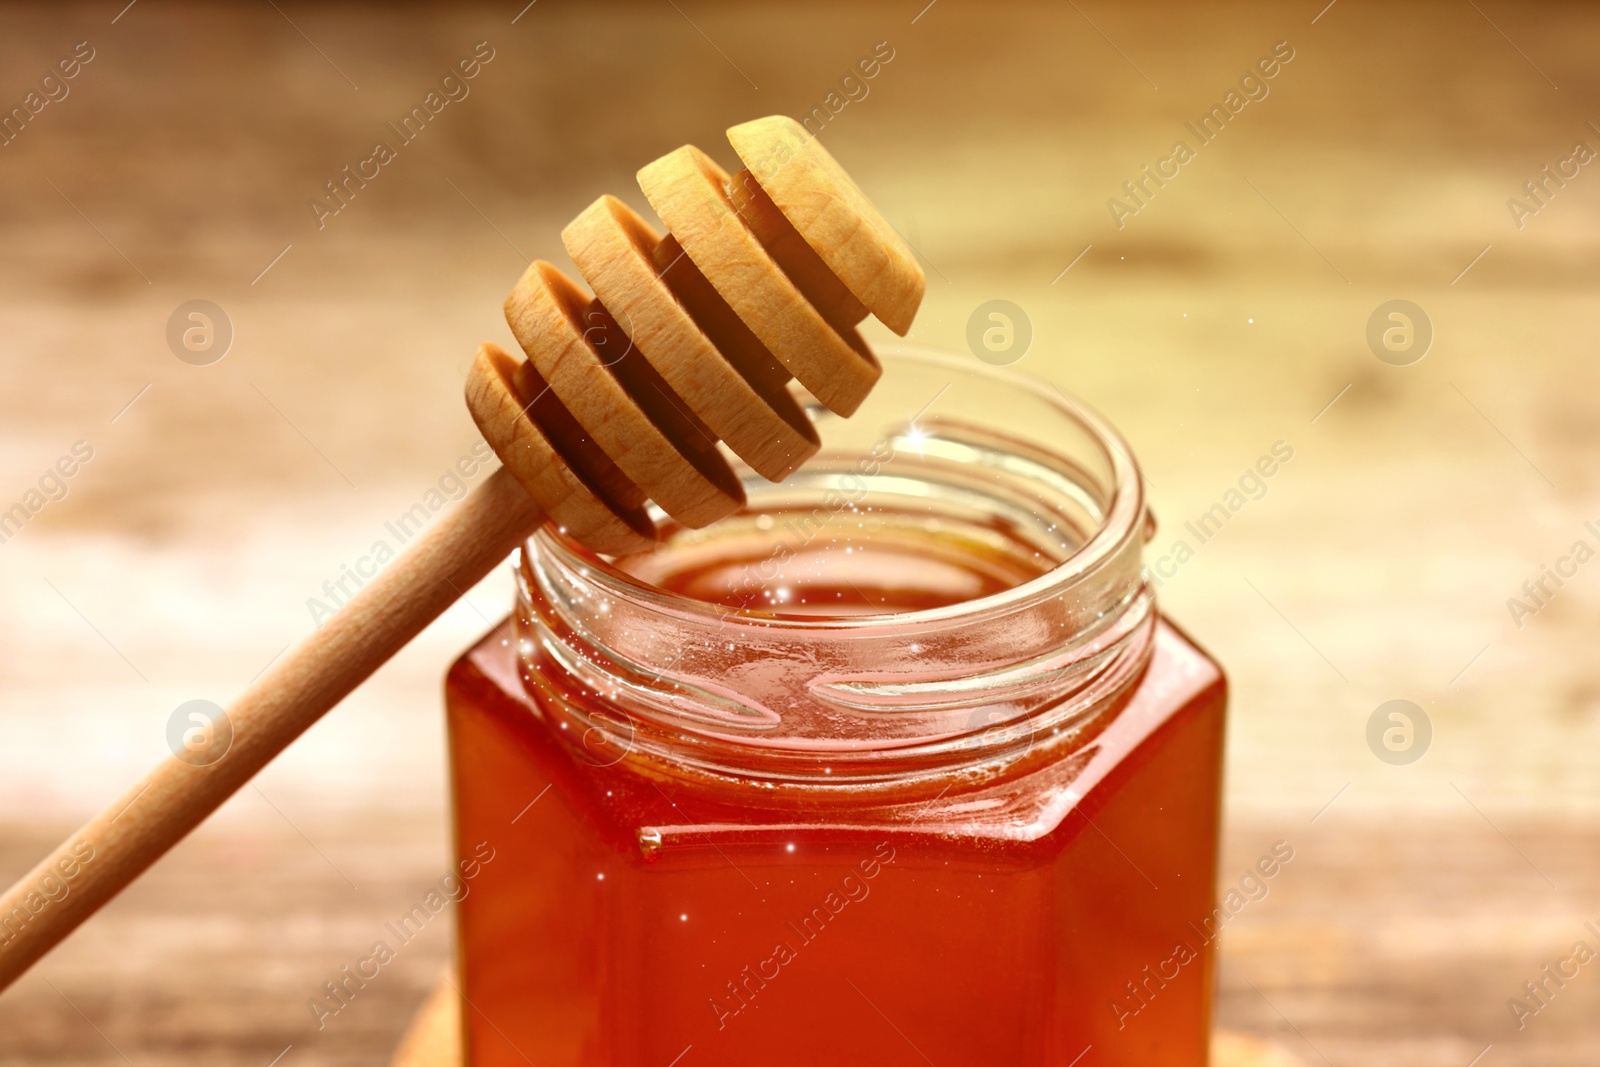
x,y
899,766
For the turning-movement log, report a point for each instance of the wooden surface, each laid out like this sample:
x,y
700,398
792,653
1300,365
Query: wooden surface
x,y
1224,316
101,858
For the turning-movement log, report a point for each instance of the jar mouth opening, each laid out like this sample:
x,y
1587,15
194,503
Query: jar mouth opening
x,y
1123,520
999,519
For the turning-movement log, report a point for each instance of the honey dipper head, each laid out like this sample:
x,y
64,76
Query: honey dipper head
x,y
692,337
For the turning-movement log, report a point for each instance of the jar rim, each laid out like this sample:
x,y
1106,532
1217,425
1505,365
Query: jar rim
x,y
1124,519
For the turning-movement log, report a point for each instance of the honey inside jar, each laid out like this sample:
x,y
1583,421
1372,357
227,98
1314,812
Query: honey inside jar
x,y
837,568
899,765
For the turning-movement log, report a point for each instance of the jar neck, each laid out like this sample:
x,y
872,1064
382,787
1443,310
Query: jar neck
x,y
953,602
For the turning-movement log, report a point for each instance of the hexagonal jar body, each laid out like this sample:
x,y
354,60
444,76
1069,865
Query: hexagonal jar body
x,y
900,765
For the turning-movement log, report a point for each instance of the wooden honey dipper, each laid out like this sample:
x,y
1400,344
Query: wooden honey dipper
x,y
689,339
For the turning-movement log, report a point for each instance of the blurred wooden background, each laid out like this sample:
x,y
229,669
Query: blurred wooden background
x,y
1223,317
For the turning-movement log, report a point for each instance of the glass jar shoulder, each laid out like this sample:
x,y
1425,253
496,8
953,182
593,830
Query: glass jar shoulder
x,y
1020,810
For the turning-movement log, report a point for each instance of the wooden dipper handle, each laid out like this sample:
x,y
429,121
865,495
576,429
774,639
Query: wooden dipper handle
x,y
690,339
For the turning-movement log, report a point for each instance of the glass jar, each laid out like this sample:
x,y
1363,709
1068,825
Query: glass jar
x,y
899,765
